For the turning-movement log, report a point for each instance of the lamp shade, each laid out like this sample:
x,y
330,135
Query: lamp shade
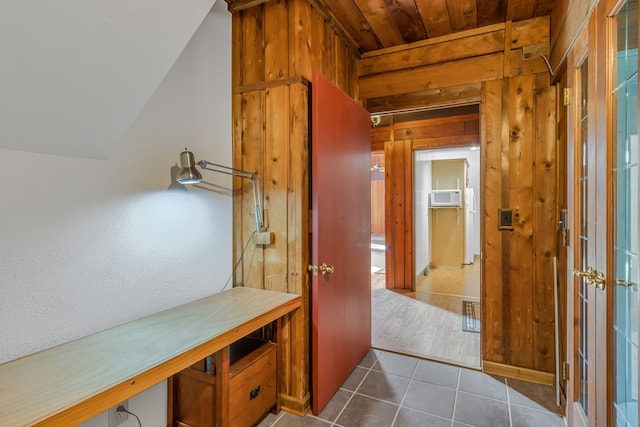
x,y
188,174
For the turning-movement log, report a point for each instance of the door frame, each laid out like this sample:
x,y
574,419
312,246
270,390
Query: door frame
x,y
399,206
591,45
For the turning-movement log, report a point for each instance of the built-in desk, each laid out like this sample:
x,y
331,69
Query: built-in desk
x,y
73,382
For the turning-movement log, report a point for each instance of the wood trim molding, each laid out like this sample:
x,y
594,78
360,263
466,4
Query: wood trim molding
x,y
515,372
238,5
435,40
452,96
271,84
294,405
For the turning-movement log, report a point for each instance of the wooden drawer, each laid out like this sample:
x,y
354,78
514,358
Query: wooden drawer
x,y
252,386
194,399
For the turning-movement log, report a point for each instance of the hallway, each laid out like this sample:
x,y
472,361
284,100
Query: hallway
x,y
388,389
428,323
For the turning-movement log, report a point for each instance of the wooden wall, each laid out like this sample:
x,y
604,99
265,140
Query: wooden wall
x,y
520,174
377,194
277,46
568,18
507,75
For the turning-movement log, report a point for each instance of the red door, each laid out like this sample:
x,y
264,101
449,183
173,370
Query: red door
x,y
341,223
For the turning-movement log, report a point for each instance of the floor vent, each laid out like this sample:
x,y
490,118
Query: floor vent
x,y
471,316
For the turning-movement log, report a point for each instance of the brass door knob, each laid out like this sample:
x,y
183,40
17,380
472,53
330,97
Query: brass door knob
x,y
580,273
592,277
598,280
322,268
326,269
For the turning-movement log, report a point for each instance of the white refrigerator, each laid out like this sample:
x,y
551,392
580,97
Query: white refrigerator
x,y
469,229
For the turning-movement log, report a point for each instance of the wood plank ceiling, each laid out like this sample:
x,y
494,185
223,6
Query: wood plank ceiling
x,y
377,24
369,25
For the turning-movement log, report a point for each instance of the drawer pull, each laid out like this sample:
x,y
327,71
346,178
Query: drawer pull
x,y
254,393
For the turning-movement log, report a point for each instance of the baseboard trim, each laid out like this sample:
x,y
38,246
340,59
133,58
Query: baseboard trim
x,y
294,405
515,372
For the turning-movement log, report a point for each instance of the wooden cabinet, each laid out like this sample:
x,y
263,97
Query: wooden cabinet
x,y
235,389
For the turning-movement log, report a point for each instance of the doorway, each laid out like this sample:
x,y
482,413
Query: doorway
x,y
434,312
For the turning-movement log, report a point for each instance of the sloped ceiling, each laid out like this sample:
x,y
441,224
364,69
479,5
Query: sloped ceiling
x,y
75,74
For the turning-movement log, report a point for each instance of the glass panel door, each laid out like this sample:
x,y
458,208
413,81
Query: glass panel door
x,y
586,305
581,296
624,215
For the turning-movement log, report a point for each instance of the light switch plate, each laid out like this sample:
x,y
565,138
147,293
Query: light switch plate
x,y
505,219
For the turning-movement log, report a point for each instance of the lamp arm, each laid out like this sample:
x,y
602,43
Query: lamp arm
x,y
257,203
207,165
255,186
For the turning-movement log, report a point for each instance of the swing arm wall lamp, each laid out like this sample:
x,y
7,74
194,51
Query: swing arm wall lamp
x,y
190,175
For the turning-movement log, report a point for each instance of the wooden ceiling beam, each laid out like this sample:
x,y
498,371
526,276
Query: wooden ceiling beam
x,y
434,98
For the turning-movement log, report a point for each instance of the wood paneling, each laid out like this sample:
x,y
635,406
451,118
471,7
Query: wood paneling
x,y
519,174
492,12
377,192
369,25
347,15
463,15
282,44
488,67
399,214
375,12
493,334
546,211
436,98
435,17
459,131
568,18
517,133
280,40
288,39
433,53
407,19
435,67
399,140
279,153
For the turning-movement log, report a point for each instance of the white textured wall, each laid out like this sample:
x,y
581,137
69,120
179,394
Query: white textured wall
x,y
85,69
89,244
422,186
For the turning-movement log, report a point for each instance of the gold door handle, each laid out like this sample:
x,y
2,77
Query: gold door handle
x,y
579,273
598,280
592,277
633,286
326,269
322,268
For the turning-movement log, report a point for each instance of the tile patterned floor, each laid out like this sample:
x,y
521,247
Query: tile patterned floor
x,y
389,389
